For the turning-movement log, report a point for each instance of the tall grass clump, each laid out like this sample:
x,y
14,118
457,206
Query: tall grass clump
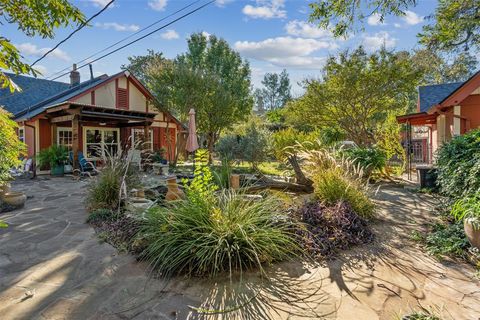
x,y
211,232
337,178
109,187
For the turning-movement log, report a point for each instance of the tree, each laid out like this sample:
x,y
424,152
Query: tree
x,y
456,26
276,92
356,93
437,69
32,18
341,16
140,66
211,78
456,23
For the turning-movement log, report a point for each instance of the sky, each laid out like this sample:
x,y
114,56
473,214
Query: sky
x,y
271,34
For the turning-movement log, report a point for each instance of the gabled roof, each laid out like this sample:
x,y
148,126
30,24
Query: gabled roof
x,y
432,95
34,90
62,96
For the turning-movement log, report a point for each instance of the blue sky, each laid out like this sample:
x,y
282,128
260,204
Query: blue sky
x,y
271,34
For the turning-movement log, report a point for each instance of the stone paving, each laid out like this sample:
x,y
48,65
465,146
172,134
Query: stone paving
x,y
52,266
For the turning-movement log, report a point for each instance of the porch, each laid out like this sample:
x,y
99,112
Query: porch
x,y
98,131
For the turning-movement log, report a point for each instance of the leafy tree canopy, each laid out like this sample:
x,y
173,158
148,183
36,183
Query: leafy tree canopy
x,y
211,78
276,91
356,92
455,23
34,18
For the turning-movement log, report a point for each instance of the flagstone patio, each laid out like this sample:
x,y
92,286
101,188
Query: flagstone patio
x,y
53,266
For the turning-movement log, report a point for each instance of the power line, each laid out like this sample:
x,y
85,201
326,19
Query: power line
x,y
120,41
126,38
142,37
71,34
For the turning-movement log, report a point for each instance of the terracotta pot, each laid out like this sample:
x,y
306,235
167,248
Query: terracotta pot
x,y
473,235
13,198
173,193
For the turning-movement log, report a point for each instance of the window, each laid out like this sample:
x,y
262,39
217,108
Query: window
x,y
137,138
101,142
65,137
21,134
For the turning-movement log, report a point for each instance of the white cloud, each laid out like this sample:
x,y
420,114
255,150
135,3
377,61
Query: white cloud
x,y
102,3
305,29
206,34
31,49
266,9
397,25
222,3
377,40
117,26
411,18
285,51
375,20
158,5
170,35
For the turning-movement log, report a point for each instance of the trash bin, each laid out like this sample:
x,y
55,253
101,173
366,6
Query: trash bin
x,y
427,176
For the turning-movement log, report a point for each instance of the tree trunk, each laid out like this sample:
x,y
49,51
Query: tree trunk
x,y
211,143
299,175
280,185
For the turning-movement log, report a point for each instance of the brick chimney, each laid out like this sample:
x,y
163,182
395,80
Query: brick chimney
x,y
74,76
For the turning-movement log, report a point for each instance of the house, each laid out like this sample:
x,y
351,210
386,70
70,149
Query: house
x,y
100,115
443,111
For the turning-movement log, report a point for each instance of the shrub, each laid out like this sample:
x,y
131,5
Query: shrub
x,y
10,147
447,240
332,186
55,155
468,208
101,215
332,228
458,165
369,159
210,235
108,189
228,147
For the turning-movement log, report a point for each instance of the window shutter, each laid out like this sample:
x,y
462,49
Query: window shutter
x,y
122,98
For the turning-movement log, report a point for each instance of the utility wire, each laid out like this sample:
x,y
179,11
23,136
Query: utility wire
x,y
126,38
120,41
74,31
142,37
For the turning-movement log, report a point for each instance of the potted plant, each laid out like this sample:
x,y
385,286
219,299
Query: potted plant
x,y
55,157
159,156
468,211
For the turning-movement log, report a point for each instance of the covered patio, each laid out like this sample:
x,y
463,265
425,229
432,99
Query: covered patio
x,y
95,130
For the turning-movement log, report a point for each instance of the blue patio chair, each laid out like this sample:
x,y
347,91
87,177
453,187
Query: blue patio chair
x,y
86,167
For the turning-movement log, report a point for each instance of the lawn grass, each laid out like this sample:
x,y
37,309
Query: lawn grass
x,y
274,168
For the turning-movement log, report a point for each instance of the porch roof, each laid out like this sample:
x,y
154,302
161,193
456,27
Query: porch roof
x,y
66,112
421,118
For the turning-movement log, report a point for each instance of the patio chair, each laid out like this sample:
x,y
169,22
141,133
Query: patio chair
x,y
135,157
86,167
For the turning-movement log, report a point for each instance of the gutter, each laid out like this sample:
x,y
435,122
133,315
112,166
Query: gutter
x,y
34,164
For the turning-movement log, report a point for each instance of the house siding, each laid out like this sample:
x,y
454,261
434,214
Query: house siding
x,y
470,109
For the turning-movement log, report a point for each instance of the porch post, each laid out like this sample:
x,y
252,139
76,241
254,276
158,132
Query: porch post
x,y
146,133
75,141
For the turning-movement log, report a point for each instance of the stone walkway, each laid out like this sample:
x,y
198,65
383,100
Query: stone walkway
x,y
52,266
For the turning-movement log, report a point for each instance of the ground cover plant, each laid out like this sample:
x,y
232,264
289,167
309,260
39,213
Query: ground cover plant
x,y
108,190
369,159
211,232
328,229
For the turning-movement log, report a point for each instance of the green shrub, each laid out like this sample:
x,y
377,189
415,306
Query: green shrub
x,y
108,189
447,240
101,215
55,155
458,165
468,208
222,174
369,159
332,186
210,235
228,147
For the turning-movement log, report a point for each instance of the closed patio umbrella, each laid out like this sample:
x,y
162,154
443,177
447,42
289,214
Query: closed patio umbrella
x,y
192,141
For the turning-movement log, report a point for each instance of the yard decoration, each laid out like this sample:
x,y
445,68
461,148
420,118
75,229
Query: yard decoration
x,y
468,210
55,156
174,192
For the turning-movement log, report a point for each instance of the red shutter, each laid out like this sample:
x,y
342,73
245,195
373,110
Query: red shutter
x,y
122,98
156,139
